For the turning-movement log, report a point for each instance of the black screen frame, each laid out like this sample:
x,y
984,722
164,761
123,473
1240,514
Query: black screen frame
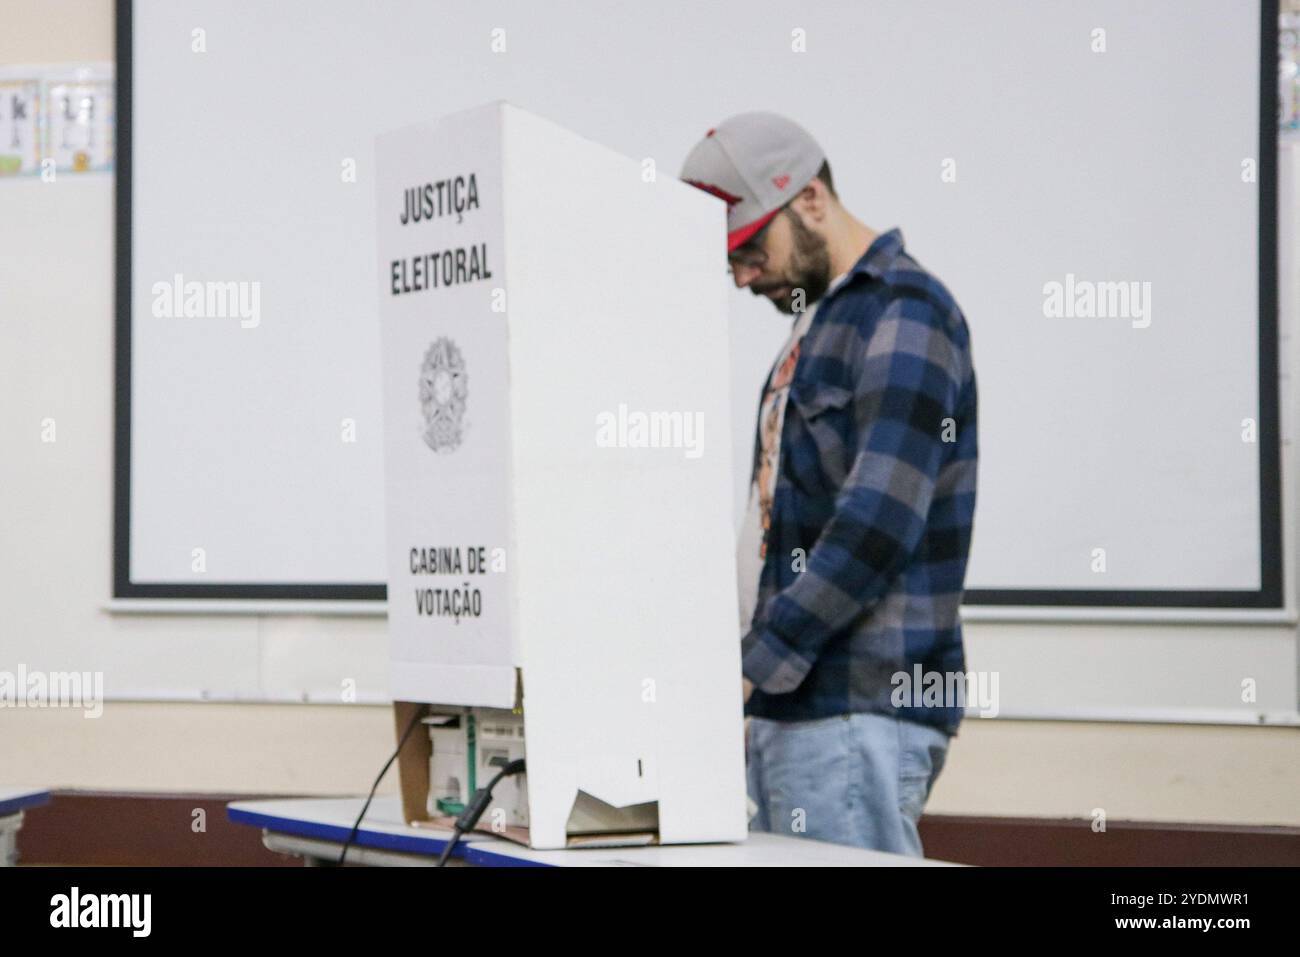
x,y
1269,596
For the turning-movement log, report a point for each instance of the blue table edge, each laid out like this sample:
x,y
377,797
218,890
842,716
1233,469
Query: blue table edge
x,y
11,806
379,840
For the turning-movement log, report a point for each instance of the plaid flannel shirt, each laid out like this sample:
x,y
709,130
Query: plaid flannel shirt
x,y
875,495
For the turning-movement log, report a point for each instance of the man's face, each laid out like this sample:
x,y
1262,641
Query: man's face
x,y
784,257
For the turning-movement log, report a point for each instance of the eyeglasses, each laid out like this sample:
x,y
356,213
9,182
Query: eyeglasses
x,y
751,255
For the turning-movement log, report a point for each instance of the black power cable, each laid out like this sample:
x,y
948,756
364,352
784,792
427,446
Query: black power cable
x,y
415,719
477,805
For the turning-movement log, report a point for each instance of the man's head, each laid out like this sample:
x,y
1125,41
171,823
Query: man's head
x,y
781,205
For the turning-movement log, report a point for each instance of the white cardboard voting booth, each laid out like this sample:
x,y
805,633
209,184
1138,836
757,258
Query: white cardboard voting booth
x,y
558,485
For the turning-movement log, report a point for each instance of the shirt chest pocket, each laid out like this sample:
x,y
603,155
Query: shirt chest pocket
x,y
825,413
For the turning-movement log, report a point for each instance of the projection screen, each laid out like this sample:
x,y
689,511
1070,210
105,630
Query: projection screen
x,y
1094,181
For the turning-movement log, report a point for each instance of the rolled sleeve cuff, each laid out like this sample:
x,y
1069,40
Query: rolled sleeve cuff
x,y
771,664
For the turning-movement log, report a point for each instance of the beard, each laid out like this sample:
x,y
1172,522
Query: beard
x,y
809,270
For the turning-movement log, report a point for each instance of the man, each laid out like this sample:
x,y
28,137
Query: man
x,y
853,554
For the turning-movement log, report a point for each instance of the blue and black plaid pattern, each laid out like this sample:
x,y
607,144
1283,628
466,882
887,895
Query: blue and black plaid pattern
x,y
875,497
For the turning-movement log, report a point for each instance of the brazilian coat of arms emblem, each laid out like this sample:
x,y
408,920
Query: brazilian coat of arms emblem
x,y
444,386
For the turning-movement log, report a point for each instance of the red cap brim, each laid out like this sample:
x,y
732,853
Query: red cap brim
x,y
738,237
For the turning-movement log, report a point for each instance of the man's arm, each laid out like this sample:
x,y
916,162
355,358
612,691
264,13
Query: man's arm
x,y
909,382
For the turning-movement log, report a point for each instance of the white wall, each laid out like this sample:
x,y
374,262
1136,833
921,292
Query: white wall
x,y
55,566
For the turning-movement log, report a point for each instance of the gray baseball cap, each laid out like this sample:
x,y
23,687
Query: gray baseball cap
x,y
756,163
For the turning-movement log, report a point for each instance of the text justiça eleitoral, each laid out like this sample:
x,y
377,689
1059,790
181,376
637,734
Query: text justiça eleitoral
x,y
455,196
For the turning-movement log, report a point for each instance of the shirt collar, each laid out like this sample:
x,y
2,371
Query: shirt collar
x,y
880,255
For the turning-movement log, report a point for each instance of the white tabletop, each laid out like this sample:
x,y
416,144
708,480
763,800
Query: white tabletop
x,y
331,820
328,821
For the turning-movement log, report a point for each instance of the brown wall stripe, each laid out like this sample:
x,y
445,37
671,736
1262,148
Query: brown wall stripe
x,y
115,829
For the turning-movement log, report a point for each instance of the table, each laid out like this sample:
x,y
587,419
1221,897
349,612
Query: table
x,y
13,801
315,828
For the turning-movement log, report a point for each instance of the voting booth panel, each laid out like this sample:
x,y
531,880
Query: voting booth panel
x,y
558,474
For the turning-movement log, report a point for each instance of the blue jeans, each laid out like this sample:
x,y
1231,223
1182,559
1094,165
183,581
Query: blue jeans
x,y
859,779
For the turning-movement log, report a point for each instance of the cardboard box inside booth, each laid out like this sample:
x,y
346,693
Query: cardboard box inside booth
x,y
558,472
